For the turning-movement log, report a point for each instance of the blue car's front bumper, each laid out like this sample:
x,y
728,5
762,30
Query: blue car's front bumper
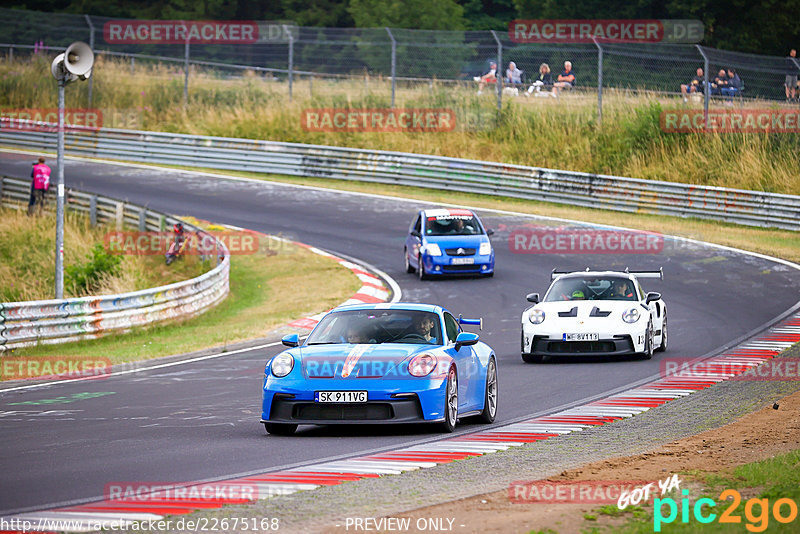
x,y
400,400
444,264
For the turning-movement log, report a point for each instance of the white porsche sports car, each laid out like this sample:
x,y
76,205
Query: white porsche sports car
x,y
588,313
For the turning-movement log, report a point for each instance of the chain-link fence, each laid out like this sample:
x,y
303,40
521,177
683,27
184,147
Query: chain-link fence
x,y
287,53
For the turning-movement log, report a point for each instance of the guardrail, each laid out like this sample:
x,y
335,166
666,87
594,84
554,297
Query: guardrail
x,y
533,183
58,321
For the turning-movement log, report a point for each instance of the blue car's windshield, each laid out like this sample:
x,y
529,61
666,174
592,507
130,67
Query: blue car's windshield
x,y
377,326
451,222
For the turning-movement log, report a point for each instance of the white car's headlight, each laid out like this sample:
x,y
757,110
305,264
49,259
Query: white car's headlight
x,y
282,365
630,316
486,249
432,249
536,316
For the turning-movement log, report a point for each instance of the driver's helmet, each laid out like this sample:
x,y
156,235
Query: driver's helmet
x,y
178,228
577,294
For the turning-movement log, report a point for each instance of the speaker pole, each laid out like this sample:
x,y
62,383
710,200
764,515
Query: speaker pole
x,y
60,194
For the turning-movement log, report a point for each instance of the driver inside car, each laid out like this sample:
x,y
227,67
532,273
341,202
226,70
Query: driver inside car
x,y
357,335
622,290
423,326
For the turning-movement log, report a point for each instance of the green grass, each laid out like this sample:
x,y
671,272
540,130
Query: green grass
x,y
772,479
530,131
267,290
27,252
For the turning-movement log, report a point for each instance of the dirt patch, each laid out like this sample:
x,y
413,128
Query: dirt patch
x,y
757,436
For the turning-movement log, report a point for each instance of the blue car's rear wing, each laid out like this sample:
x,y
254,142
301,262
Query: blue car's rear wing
x,y
479,322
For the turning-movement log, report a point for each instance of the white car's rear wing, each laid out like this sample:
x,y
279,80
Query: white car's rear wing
x,y
638,274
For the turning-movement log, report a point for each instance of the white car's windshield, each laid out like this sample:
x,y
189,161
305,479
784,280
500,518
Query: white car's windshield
x,y
591,288
377,326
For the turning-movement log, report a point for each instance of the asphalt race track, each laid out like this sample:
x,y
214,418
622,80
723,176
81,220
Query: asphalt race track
x,y
200,420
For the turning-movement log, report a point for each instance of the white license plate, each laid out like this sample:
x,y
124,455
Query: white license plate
x,y
581,337
340,396
463,261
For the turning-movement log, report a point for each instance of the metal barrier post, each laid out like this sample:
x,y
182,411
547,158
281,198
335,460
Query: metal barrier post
x,y
133,64
60,194
291,59
599,82
706,85
186,70
499,73
394,61
93,210
142,220
91,45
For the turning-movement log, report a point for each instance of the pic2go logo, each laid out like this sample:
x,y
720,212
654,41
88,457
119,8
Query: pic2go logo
x,y
756,511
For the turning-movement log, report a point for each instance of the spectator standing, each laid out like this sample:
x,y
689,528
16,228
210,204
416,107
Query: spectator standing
x,y
545,79
566,80
791,76
695,86
41,183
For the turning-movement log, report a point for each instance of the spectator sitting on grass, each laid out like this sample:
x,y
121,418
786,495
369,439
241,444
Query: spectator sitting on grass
x,y
513,74
695,86
719,82
734,86
566,80
489,77
545,79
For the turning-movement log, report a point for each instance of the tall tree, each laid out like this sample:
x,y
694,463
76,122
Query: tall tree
x,y
417,14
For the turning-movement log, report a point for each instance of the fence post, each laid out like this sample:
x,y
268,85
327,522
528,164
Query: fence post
x,y
291,59
599,82
133,64
142,219
186,72
706,86
311,86
91,45
499,72
11,54
1,189
93,210
119,214
394,61
162,223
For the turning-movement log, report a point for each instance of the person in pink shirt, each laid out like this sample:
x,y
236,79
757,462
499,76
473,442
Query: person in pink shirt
x,y
41,183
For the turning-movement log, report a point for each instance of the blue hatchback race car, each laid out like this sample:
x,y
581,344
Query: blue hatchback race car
x,y
448,241
381,363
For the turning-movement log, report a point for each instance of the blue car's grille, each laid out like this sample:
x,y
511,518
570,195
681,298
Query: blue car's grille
x,y
460,251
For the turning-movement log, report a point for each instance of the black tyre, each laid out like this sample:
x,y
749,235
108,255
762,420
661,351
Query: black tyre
x,y
421,269
490,395
170,259
450,402
409,268
280,429
532,358
663,346
648,343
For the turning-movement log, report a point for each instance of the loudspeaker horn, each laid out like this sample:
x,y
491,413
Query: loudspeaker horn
x,y
78,59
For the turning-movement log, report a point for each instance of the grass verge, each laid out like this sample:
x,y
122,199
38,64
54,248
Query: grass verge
x,y
751,507
267,289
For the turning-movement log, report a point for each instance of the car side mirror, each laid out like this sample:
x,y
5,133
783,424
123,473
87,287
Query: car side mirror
x,y
533,297
291,340
415,233
490,232
465,339
652,296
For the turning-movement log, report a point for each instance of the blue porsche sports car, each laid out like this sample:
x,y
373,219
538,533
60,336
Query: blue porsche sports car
x,y
381,363
448,241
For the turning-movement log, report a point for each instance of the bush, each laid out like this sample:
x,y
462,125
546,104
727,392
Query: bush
x,y
84,279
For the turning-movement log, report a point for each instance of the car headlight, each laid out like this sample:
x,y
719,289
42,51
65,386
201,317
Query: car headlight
x,y
422,364
630,316
432,249
486,249
536,316
282,365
